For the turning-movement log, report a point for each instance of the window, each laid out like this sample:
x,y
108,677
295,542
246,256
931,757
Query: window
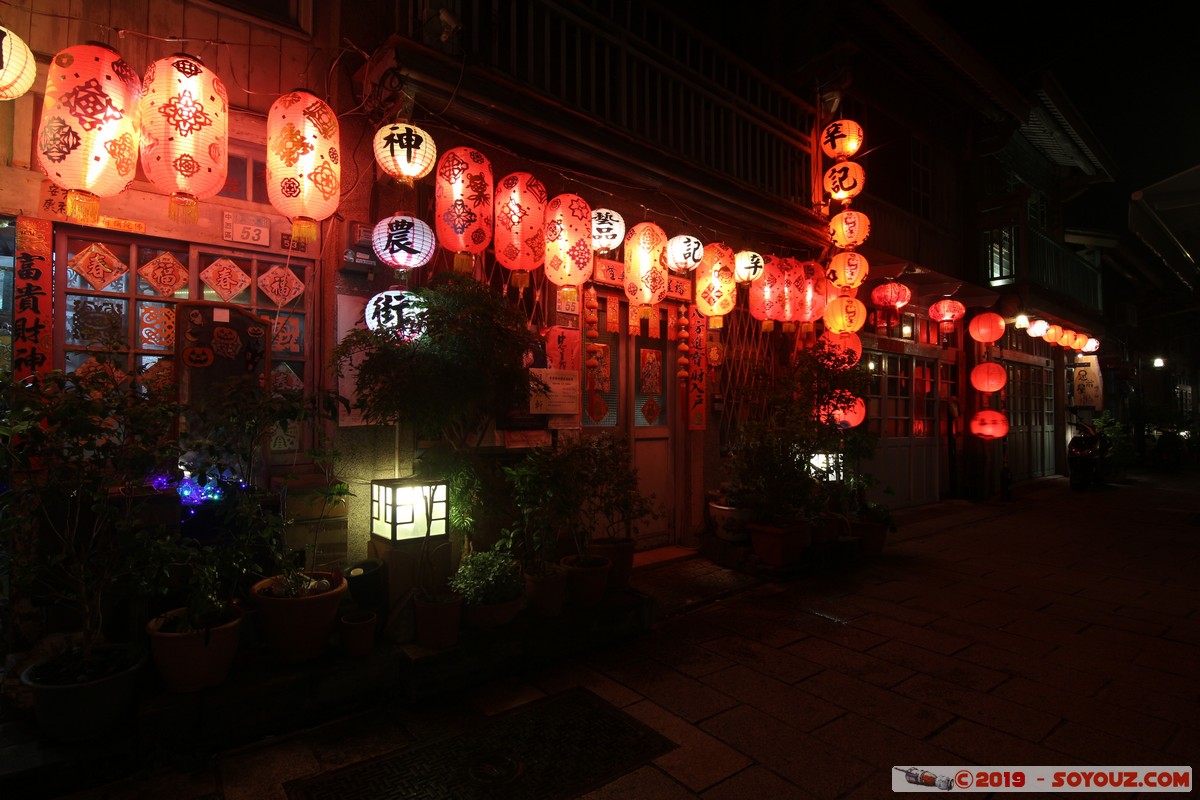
x,y
998,246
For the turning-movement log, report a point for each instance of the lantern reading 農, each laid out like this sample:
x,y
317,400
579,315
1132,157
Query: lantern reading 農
x,y
403,242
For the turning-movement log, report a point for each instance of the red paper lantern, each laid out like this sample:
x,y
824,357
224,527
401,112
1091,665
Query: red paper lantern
x,y
848,344
462,201
841,138
766,292
17,67
1066,338
645,267
804,289
850,417
403,242
90,128
946,312
844,314
847,270
185,133
716,287
989,424
844,181
304,173
519,237
568,240
989,376
404,151
891,295
684,253
1081,339
986,327
849,229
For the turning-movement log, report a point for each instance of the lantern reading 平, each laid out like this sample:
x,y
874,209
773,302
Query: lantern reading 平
x,y
304,173
404,151
403,242
747,266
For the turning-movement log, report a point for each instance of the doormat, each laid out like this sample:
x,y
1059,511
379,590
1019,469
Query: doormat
x,y
556,747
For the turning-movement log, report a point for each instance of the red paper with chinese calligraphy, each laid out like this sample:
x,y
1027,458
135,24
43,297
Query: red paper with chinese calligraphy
x,y
33,333
97,265
165,274
562,347
225,278
697,393
281,285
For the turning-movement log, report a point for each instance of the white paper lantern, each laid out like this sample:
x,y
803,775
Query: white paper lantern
x,y
747,266
608,230
390,309
404,151
403,242
684,253
17,67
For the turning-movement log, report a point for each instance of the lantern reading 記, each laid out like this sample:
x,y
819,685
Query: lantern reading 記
x,y
946,312
989,424
989,376
847,270
608,230
684,253
404,151
17,67
403,242
519,237
716,287
185,133
568,230
986,327
304,173
844,314
90,130
462,203
849,229
747,266
841,139
844,181
645,272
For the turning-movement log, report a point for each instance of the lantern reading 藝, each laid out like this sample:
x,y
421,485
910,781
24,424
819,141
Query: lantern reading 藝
x,y
90,130
404,151
989,377
185,133
986,327
747,266
645,272
847,270
17,67
684,253
844,314
716,287
608,229
849,229
304,173
841,139
989,424
403,242
463,201
946,312
568,240
520,237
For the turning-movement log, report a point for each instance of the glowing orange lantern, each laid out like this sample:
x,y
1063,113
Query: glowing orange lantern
x,y
989,376
986,327
747,266
520,235
1053,334
844,314
851,416
462,201
89,134
684,253
1081,339
804,288
849,229
608,230
17,67
304,173
846,344
989,424
847,270
1066,338
841,139
403,242
404,151
645,270
716,288
185,133
568,240
946,312
844,181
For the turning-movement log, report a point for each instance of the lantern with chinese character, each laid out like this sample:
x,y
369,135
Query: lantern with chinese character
x,y
804,288
404,151
891,296
88,137
846,344
986,327
304,173
989,376
844,181
847,270
185,133
568,240
684,253
849,229
946,312
608,230
17,67
841,139
403,242
520,236
1037,329
844,314
747,266
1053,334
645,272
462,201
716,287
989,424
392,309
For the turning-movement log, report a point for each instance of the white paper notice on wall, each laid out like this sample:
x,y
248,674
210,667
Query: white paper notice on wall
x,y
1088,385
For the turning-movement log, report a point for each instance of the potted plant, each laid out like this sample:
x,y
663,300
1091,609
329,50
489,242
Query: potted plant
x,y
84,455
543,510
491,585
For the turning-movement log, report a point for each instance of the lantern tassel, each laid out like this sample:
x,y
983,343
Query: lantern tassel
x,y
183,208
83,206
464,263
304,229
716,323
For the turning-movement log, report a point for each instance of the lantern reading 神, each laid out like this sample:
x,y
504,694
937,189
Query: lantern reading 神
x,y
946,312
844,181
989,376
716,287
645,272
17,67
841,139
986,327
608,229
1038,328
684,253
185,133
747,266
568,240
403,242
803,297
849,229
847,270
304,173
844,314
88,137
404,151
520,237
989,424
847,344
462,202
390,309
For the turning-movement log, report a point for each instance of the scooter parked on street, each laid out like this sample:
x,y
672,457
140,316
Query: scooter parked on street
x,y
1087,455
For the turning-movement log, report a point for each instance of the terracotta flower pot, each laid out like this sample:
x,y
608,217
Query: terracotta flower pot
x,y
587,579
298,628
75,712
195,660
493,615
546,592
780,546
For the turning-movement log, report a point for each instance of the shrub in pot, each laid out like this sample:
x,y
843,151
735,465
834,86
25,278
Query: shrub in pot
x,y
492,587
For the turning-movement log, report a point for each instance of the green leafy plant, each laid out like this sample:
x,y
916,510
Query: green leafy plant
x,y
487,576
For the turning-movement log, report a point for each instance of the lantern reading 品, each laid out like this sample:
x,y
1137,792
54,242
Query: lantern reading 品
x,y
304,173
608,230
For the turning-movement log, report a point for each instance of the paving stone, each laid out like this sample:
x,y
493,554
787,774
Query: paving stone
x,y
769,630
259,774
986,709
1097,747
1014,643
1108,619
980,744
879,744
951,668
881,705
856,664
700,760
1185,744
928,638
784,666
1116,669
780,700
678,693
1006,661
1142,697
648,782
756,781
569,674
837,632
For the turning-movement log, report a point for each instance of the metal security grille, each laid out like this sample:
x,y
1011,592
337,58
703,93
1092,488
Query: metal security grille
x,y
746,361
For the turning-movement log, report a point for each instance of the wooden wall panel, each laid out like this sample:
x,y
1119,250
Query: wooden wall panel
x,y
130,15
48,28
89,23
165,18
202,27
264,54
293,64
234,63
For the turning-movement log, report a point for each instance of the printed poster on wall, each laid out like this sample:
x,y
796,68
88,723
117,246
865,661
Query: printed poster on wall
x,y
1088,384
32,331
697,371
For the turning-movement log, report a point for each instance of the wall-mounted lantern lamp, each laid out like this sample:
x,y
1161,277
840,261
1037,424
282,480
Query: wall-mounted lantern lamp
x,y
407,508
